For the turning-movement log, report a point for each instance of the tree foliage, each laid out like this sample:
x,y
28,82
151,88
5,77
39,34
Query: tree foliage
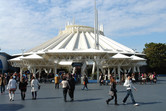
x,y
155,55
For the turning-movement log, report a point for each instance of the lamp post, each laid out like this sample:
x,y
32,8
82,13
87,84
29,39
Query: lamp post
x,y
22,50
21,68
134,51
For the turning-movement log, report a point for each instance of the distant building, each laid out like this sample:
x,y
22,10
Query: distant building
x,y
4,65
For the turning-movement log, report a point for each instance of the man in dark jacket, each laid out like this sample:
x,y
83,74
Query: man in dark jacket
x,y
71,87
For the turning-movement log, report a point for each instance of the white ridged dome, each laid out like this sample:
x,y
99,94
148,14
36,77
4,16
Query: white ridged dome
x,y
80,38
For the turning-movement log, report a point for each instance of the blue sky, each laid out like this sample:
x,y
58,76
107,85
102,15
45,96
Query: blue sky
x,y
25,24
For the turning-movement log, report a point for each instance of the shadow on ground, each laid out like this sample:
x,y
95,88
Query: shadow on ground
x,y
46,98
86,100
94,89
10,107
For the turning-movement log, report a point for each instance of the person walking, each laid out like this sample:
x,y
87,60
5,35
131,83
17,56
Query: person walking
x,y
128,84
151,78
65,86
56,78
85,82
34,87
71,87
23,87
2,83
113,92
12,86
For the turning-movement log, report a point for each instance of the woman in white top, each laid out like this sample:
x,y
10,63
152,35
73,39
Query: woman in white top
x,y
65,86
34,87
12,86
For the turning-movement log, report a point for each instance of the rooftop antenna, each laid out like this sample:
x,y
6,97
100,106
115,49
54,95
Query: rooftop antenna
x,y
68,23
73,20
102,28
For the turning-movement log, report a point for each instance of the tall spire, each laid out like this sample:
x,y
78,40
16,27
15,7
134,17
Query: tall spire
x,y
97,32
95,21
96,27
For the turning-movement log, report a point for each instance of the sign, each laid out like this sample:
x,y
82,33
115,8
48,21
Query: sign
x,y
75,64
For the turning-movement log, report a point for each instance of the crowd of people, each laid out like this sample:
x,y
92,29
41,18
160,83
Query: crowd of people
x,y
142,78
11,81
68,82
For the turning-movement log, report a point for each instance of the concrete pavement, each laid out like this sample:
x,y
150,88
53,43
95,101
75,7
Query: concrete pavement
x,y
150,97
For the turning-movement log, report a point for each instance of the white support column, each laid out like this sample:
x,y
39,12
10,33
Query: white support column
x,y
83,69
129,70
97,64
101,68
114,72
55,70
39,73
47,71
93,68
21,70
119,72
70,69
34,72
134,69
109,73
97,72
104,71
138,69
125,71
73,71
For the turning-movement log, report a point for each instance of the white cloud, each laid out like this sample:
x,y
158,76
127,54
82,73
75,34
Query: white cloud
x,y
138,15
29,23
43,1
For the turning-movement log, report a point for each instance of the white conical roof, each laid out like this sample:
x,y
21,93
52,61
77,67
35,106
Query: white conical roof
x,y
17,58
136,58
33,56
120,56
80,38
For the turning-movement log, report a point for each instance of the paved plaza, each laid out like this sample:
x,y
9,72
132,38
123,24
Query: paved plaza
x,y
150,97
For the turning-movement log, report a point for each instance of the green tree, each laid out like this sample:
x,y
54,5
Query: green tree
x,y
156,56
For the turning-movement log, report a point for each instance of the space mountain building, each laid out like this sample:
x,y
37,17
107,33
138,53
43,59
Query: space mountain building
x,y
77,46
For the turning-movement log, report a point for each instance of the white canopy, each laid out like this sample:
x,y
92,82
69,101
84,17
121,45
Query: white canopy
x,y
17,58
136,58
120,56
33,57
